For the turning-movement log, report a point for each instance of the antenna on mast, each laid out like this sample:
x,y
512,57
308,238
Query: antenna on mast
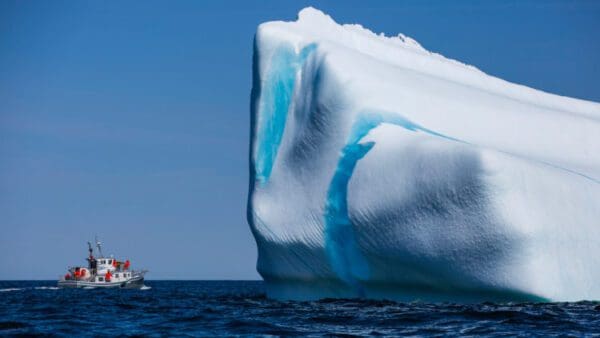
x,y
90,249
99,246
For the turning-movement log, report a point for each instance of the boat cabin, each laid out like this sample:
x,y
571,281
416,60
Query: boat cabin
x,y
113,277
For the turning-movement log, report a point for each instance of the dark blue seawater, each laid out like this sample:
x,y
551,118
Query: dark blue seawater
x,y
209,308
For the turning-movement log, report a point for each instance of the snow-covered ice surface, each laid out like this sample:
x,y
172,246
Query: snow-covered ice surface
x,y
382,170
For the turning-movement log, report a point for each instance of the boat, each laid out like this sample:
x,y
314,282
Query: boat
x,y
102,272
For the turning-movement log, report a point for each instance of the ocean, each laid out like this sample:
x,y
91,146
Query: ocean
x,y
215,308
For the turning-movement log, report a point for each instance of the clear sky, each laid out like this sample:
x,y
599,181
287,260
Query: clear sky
x,y
130,120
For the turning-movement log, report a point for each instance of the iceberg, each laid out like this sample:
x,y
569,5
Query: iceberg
x,y
381,170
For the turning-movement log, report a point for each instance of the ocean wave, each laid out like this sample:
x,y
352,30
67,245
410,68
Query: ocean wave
x,y
239,308
10,289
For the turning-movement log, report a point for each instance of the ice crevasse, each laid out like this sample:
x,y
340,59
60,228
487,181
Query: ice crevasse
x,y
381,170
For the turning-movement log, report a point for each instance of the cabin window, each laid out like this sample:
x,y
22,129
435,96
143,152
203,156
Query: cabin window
x,y
110,261
116,275
101,279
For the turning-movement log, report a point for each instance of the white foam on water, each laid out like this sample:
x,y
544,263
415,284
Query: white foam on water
x,y
10,289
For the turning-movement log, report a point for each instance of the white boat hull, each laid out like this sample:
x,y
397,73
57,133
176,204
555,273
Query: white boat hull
x,y
133,283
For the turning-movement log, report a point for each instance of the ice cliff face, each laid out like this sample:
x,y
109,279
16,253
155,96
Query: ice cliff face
x,y
381,170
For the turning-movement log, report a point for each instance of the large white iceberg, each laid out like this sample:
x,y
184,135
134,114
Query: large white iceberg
x,y
382,170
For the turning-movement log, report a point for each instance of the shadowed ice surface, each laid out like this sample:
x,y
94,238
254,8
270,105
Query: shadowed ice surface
x,y
201,308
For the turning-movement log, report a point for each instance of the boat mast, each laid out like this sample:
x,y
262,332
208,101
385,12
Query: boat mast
x,y
98,244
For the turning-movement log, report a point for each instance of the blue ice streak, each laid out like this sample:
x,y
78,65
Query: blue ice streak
x,y
345,257
277,92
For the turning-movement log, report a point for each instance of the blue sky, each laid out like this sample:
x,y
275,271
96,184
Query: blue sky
x,y
130,120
